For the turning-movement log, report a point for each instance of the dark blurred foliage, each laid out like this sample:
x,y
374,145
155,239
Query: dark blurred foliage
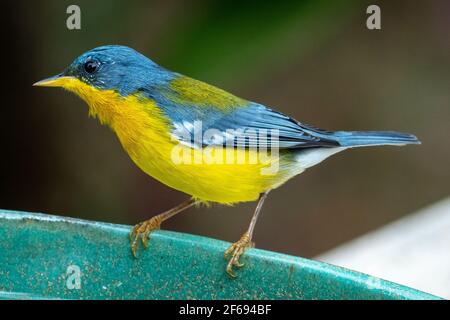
x,y
314,60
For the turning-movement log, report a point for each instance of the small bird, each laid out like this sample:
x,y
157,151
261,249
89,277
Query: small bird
x,y
199,139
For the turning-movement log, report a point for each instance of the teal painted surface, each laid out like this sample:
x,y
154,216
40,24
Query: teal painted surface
x,y
36,250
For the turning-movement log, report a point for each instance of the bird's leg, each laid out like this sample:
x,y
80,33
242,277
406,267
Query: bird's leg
x,y
142,230
238,248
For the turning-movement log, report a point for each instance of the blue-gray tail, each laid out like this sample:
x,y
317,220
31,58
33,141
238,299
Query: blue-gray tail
x,y
373,138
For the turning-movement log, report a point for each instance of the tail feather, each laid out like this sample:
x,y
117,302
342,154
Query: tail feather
x,y
374,138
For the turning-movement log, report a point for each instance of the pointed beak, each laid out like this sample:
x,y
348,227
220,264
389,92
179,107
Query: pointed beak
x,y
56,81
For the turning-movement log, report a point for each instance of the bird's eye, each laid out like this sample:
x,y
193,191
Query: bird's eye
x,y
91,66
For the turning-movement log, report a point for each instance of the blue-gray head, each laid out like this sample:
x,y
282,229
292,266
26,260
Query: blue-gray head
x,y
112,67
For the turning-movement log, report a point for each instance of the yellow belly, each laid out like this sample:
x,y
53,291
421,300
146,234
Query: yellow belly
x,y
218,182
209,174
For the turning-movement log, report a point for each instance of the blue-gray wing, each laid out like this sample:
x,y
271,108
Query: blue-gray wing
x,y
251,126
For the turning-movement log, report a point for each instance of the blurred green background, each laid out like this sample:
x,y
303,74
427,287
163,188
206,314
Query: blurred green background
x,y
314,60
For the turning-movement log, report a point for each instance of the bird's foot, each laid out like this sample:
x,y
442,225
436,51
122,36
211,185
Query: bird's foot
x,y
235,251
142,231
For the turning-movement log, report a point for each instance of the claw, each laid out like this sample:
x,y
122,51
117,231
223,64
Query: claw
x,y
236,250
134,246
133,232
230,271
228,252
142,231
144,239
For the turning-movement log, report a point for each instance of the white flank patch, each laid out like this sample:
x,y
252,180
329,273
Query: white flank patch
x,y
311,157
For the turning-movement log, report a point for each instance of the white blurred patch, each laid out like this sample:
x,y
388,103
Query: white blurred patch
x,y
413,251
